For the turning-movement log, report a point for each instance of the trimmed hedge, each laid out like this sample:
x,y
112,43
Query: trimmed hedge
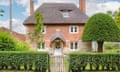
x,y
25,60
94,62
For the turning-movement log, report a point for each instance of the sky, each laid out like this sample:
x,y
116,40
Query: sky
x,y
20,10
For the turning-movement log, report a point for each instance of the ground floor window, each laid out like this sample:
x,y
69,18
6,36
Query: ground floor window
x,y
73,45
43,45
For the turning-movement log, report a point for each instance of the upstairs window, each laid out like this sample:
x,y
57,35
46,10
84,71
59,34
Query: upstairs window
x,y
73,29
66,15
44,30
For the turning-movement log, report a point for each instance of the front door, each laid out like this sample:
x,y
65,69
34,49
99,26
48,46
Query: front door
x,y
58,49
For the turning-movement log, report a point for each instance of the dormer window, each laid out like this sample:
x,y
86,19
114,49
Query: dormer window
x,y
66,13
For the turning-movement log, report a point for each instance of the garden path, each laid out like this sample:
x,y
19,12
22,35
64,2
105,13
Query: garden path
x,y
58,64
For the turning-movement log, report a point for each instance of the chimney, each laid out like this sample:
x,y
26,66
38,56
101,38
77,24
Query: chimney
x,y
83,6
31,7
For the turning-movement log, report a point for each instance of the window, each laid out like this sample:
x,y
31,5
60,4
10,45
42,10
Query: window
x,y
44,30
71,45
43,45
73,29
74,45
66,14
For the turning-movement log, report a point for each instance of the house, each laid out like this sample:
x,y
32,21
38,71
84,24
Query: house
x,y
16,35
63,26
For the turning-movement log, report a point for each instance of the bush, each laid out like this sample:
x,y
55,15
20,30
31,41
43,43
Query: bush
x,y
28,60
6,42
99,62
109,45
21,46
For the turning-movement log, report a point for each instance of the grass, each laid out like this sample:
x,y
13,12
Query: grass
x,y
66,63
14,71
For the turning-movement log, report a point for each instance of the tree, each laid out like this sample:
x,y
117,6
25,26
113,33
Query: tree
x,y
117,18
113,14
101,27
37,35
10,17
7,42
1,12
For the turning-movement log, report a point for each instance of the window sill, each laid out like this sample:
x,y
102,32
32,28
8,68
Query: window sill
x,y
74,50
73,32
44,50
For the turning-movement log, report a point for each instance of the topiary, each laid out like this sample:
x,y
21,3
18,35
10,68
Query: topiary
x,y
101,27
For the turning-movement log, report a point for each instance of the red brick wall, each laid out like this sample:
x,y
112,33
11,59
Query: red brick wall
x,y
63,29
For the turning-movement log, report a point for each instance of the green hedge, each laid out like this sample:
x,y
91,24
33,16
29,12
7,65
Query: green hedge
x,y
24,60
94,62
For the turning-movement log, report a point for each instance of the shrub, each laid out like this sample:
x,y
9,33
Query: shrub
x,y
29,60
96,61
6,42
21,46
109,45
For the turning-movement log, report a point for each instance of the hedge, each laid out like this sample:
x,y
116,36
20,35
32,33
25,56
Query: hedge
x,y
24,60
94,62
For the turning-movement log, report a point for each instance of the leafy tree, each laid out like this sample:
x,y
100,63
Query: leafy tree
x,y
117,18
113,14
1,12
101,27
37,35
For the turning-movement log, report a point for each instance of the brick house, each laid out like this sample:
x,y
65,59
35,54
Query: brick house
x,y
63,26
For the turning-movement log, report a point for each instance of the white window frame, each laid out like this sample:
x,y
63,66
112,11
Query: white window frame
x,y
66,14
74,49
74,29
42,46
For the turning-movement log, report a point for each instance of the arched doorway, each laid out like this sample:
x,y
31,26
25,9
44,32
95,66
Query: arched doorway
x,y
57,43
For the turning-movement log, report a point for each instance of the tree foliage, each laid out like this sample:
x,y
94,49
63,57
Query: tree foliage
x,y
111,13
6,42
37,35
100,27
117,18
1,12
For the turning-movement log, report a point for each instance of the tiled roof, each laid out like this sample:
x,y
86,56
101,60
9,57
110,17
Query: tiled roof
x,y
57,35
52,13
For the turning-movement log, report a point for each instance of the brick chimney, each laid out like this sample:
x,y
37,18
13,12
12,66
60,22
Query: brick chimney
x,y
31,7
82,5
